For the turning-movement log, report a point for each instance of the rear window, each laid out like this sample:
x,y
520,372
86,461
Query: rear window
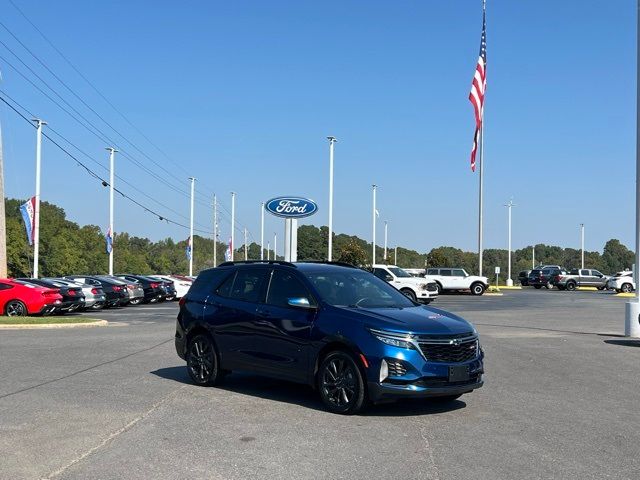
x,y
208,280
432,271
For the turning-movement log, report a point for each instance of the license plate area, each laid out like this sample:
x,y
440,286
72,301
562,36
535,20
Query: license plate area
x,y
459,373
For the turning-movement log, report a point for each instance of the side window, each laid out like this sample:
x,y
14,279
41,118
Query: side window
x,y
208,280
248,284
381,273
284,285
596,273
584,273
445,272
4,286
224,290
458,273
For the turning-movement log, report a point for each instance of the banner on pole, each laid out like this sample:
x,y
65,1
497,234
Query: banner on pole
x,y
109,240
188,249
227,252
27,210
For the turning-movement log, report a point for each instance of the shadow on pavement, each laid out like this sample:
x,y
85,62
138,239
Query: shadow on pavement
x,y
305,396
624,343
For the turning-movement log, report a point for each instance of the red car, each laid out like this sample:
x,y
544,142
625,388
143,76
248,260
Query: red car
x,y
18,298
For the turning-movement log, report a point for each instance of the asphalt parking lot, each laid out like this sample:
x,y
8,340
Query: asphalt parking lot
x,y
561,401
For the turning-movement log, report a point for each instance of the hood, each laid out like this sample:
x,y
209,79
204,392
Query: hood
x,y
415,280
420,320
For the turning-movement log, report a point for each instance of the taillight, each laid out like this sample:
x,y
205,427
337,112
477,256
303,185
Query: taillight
x,y
71,293
182,301
154,285
94,291
49,293
117,288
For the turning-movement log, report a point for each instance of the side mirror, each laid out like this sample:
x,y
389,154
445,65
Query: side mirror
x,y
388,278
300,302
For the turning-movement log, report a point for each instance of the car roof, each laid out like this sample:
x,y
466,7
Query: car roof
x,y
301,266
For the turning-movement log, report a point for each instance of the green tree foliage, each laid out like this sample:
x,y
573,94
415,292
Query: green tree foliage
x,y
67,248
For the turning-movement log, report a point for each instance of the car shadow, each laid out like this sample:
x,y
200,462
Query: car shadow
x,y
305,396
624,343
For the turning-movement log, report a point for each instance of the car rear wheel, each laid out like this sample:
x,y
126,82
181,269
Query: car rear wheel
x,y
537,287
15,308
571,286
409,293
202,361
341,384
626,288
477,288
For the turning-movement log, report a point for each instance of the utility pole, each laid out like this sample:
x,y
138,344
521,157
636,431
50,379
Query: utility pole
x,y
373,253
275,246
262,231
533,257
36,236
385,242
193,181
268,251
215,230
509,280
332,141
245,244
112,165
3,224
582,245
395,257
233,223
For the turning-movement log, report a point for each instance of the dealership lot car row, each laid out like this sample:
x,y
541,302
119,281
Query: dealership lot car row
x,y
57,295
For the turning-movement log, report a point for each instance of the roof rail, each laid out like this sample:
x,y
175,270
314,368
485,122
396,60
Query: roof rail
x,y
340,264
270,262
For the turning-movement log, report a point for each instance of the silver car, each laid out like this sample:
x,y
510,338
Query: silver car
x,y
94,297
134,291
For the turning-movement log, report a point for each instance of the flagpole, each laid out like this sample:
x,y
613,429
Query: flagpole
x,y
480,196
215,230
191,228
373,217
233,222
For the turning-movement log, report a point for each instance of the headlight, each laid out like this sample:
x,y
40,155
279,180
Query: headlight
x,y
424,286
394,339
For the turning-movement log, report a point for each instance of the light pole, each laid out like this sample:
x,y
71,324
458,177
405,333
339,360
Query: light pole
x,y
275,246
268,250
395,257
332,141
373,219
385,242
509,281
193,181
215,230
112,151
632,309
582,245
533,257
262,231
36,212
233,222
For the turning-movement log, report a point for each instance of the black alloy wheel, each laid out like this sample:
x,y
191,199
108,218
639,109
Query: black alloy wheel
x,y
202,361
409,294
135,301
341,384
439,287
571,286
15,308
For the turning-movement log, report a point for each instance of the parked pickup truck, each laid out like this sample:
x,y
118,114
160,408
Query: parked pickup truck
x,y
457,279
581,277
416,288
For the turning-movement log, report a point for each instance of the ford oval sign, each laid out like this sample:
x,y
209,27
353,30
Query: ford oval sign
x,y
291,207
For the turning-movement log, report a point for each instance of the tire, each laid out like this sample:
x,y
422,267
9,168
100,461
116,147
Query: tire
x,y
340,378
440,289
15,308
626,288
571,286
409,294
524,283
136,301
537,287
96,307
202,361
560,287
477,288
601,288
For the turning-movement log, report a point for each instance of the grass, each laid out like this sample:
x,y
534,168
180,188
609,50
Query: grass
x,y
44,320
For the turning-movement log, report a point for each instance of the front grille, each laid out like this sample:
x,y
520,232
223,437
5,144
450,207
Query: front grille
x,y
444,382
396,369
449,352
432,287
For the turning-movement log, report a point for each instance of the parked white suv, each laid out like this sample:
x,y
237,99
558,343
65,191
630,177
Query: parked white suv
x,y
457,279
416,288
622,282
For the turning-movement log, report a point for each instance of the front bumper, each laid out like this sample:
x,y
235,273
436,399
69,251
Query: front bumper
x,y
379,392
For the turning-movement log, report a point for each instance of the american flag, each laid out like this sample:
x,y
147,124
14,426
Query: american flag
x,y
478,88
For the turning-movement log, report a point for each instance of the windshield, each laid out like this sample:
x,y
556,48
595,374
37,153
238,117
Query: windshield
x,y
356,288
398,272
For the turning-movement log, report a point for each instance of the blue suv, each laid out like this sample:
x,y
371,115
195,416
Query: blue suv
x,y
338,328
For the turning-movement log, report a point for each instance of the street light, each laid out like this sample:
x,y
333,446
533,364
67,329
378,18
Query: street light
x,y
509,281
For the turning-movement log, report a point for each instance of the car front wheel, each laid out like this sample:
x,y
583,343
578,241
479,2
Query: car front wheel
x,y
409,293
202,361
341,384
571,286
477,288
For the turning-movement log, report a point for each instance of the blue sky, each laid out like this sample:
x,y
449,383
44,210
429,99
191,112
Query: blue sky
x,y
242,94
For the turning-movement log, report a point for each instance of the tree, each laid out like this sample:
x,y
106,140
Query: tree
x,y
352,253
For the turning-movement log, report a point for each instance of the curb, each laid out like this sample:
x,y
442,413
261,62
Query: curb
x,y
510,288
589,289
36,326
627,295
492,294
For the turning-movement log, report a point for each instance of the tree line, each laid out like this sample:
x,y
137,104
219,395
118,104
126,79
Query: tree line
x,y
68,248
